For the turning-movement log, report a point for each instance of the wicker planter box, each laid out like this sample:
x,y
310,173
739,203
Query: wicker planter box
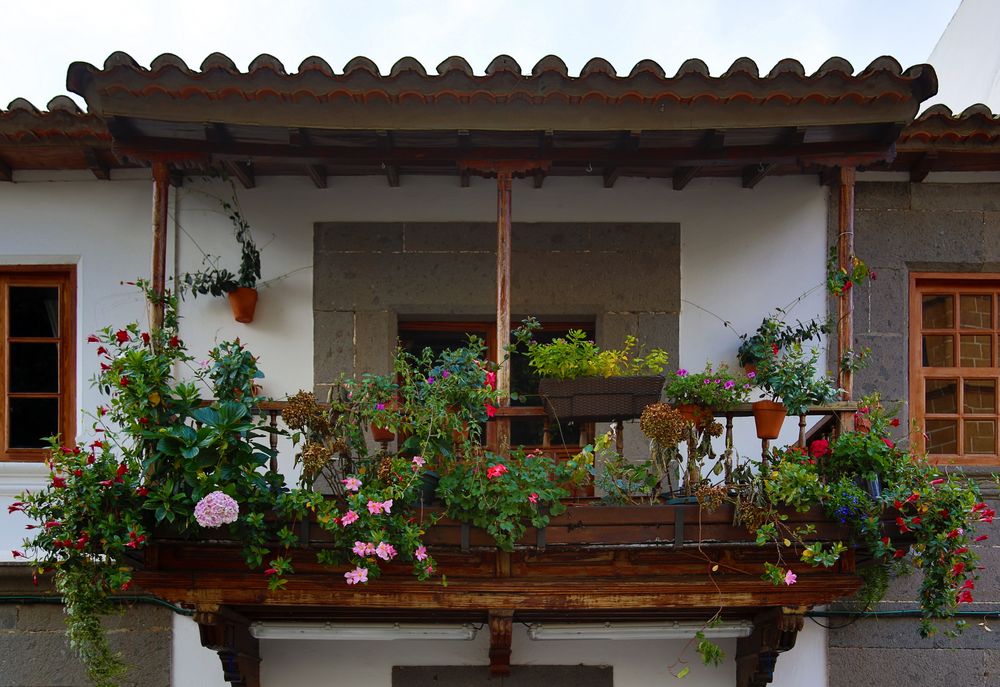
x,y
599,399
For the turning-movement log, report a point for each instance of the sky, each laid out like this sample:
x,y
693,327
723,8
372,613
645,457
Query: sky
x,y
42,37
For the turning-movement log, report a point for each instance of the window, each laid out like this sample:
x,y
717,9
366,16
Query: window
x,y
955,365
38,358
526,431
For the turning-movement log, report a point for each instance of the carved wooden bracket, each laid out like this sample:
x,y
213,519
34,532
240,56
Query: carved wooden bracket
x,y
228,634
509,168
774,632
501,627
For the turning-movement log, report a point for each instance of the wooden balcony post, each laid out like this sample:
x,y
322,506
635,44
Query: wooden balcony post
x,y
228,634
845,251
503,299
161,194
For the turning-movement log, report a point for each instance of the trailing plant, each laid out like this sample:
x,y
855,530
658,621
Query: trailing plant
x,y
841,279
215,280
718,389
502,495
575,356
774,335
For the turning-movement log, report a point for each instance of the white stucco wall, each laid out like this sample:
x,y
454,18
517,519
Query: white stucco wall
x,y
967,57
743,252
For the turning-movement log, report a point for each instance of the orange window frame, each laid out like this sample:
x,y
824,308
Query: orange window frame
x,y
954,360
62,277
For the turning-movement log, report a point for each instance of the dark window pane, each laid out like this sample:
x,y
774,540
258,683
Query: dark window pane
x,y
980,436
34,311
979,396
939,312
941,396
974,350
531,432
939,351
942,436
975,312
31,419
34,368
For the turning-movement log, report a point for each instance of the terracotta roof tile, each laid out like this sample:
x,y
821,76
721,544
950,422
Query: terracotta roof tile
x,y
975,125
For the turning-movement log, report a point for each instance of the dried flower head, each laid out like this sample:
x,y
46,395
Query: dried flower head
x,y
303,412
715,429
385,468
662,423
710,497
315,456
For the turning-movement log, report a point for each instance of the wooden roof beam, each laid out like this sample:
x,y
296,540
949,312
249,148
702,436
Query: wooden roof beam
x,y
611,175
100,169
683,176
464,178
539,176
318,175
922,167
242,171
6,173
713,139
218,133
753,174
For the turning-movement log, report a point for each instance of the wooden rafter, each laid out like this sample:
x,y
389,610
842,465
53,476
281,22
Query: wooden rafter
x,y
242,171
386,149
923,166
97,166
754,174
318,175
683,176
6,173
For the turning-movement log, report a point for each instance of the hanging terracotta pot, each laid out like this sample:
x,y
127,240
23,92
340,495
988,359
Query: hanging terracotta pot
x,y
382,434
243,302
769,416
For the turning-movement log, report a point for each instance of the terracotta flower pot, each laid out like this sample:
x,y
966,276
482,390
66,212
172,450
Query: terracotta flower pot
x,y
769,416
243,302
698,415
382,434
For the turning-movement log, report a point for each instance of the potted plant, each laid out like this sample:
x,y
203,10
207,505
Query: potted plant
x,y
582,382
789,380
240,287
696,395
773,335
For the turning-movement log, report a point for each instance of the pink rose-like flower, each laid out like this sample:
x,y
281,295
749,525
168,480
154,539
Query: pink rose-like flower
x,y
790,578
495,470
385,551
357,575
421,553
351,483
348,517
216,509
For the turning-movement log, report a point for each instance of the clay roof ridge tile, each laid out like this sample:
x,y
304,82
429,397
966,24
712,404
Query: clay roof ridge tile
x,y
980,110
122,59
503,63
63,103
692,66
834,64
742,64
218,60
22,104
407,64
598,65
361,63
648,67
550,63
267,61
454,63
169,59
786,66
313,63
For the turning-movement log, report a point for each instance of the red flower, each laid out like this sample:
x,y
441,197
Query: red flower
x,y
888,442
964,597
142,491
52,523
962,549
885,541
774,348
91,458
915,521
101,350
495,470
143,421
106,482
271,571
78,473
958,569
899,553
121,335
122,469
912,497
17,554
982,537
174,342
105,367
871,275
819,448
58,482
93,339
145,338
16,506
123,381
490,410
848,285
125,586
101,411
894,422
968,584
939,480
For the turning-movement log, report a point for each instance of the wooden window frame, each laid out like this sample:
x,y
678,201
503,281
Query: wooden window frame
x,y
927,283
64,278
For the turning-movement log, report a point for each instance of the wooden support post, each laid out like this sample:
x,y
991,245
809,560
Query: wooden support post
x,y
161,193
845,253
501,630
503,300
774,632
228,634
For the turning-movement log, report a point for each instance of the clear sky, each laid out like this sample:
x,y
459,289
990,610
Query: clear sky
x,y
41,37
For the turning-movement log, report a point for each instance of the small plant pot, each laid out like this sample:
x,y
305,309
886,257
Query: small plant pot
x,y
243,302
768,416
382,435
700,416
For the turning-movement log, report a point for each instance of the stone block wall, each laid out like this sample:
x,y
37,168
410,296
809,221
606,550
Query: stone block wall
x,y
902,228
624,277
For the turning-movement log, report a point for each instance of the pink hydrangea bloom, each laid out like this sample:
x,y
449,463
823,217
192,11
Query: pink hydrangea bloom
x,y
357,575
351,483
216,509
348,517
385,551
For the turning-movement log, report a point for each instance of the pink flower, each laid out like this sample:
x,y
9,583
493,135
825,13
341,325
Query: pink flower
x,y
751,375
374,507
385,551
387,506
495,470
790,578
491,380
533,497
418,462
421,553
216,509
682,372
357,575
351,483
888,443
363,548
348,517
729,384
939,480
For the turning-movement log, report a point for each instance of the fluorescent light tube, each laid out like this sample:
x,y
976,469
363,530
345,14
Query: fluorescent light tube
x,y
669,630
360,631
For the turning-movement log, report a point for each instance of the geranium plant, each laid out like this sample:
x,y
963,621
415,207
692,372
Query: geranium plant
x,y
719,388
